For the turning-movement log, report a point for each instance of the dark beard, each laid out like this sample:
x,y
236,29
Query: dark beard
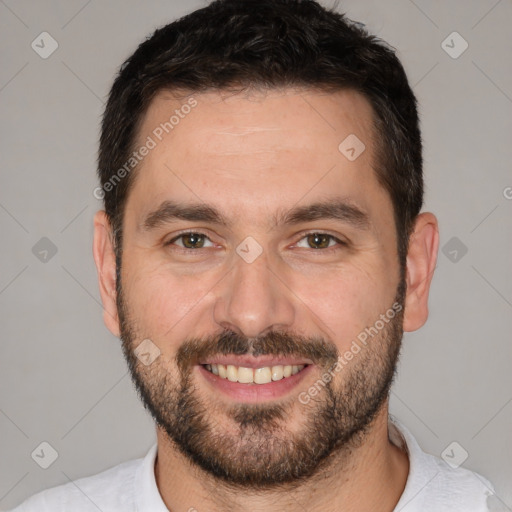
x,y
263,453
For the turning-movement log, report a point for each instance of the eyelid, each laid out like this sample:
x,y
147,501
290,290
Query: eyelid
x,y
178,235
340,242
321,232
302,235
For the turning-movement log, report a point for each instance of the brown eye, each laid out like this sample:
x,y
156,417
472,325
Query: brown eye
x,y
189,240
193,240
319,240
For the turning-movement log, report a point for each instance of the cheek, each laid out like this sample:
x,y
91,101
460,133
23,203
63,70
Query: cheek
x,y
163,304
344,301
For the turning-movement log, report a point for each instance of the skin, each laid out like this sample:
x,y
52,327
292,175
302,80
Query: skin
x,y
252,156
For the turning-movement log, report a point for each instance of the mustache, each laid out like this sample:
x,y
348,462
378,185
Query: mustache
x,y
275,343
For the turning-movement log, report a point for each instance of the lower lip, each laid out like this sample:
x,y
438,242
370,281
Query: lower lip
x,y
254,392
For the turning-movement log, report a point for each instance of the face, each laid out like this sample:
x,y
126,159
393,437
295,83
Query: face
x,y
256,256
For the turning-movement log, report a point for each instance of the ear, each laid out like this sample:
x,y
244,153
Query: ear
x,y
421,262
104,257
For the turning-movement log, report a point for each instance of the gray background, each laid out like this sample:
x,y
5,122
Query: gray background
x,y
62,376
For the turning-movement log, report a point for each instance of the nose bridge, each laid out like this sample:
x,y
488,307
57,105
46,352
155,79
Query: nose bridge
x,y
254,299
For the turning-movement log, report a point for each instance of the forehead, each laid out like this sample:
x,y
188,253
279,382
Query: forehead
x,y
269,148
225,120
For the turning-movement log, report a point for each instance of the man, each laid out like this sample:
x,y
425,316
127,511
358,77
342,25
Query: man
x,y
260,255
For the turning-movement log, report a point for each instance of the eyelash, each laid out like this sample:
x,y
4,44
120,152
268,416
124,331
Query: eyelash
x,y
340,243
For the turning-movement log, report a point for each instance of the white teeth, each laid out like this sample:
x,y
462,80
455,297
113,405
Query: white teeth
x,y
257,376
232,373
245,375
222,370
263,375
277,372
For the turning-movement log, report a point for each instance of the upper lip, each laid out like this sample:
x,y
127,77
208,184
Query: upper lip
x,y
248,361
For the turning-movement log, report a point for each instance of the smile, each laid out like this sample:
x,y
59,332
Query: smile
x,y
245,375
245,378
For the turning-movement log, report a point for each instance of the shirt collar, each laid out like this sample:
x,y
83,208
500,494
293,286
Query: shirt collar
x,y
148,496
421,469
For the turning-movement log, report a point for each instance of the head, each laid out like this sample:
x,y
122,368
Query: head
x,y
260,165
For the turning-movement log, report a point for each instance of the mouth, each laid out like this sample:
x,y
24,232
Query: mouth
x,y
245,375
248,379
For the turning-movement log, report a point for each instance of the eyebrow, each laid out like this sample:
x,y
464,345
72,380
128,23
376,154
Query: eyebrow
x,y
336,209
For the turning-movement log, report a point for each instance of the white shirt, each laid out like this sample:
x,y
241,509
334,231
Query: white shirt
x,y
432,486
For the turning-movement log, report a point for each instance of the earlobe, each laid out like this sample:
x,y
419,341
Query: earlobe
x,y
104,257
421,263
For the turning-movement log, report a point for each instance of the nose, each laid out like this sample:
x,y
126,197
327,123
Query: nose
x,y
254,299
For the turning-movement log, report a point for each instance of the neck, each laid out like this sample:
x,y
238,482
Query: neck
x,y
370,475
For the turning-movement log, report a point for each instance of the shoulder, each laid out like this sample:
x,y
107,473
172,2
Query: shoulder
x,y
435,485
109,491
456,488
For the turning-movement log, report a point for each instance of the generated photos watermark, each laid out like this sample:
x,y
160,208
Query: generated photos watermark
x,y
151,142
355,347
